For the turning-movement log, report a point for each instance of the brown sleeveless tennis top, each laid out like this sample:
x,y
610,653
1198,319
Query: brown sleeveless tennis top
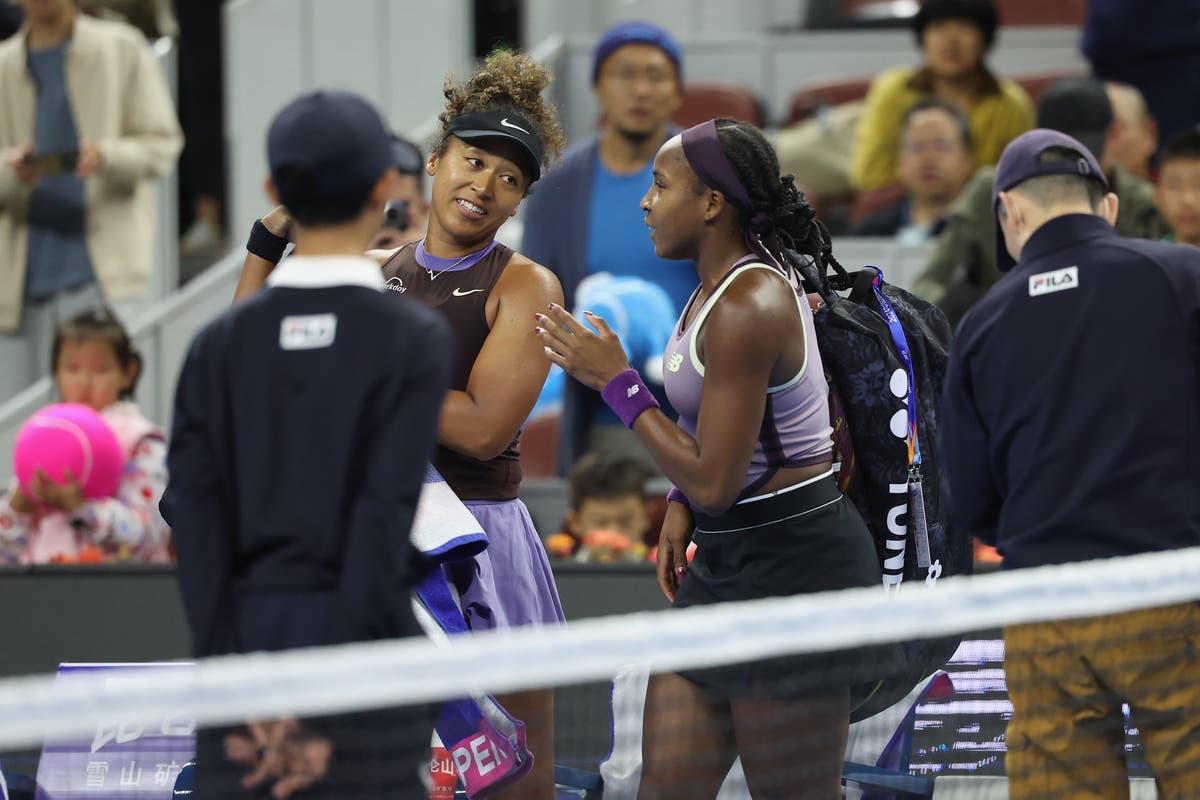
x,y
460,296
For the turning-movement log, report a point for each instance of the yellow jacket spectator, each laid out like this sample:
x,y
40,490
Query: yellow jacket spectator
x,y
954,37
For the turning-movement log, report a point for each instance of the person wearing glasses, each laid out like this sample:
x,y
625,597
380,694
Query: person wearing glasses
x,y
584,219
407,211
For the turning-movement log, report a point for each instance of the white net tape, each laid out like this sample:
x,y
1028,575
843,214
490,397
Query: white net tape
x,y
379,674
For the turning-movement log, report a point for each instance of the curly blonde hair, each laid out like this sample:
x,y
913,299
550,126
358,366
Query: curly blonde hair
x,y
506,82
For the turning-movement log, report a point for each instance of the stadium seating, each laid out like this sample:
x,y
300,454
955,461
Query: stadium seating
x,y
704,101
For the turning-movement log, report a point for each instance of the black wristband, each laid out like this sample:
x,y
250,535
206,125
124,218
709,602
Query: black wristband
x,y
265,244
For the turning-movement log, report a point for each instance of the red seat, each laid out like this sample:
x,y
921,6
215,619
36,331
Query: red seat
x,y
812,98
704,101
1040,12
872,200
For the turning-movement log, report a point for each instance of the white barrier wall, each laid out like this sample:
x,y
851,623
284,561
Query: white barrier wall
x,y
393,53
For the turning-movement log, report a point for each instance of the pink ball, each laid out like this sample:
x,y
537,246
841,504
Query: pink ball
x,y
69,436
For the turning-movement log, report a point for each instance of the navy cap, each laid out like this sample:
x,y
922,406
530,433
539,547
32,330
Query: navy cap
x,y
499,124
1021,161
635,32
338,138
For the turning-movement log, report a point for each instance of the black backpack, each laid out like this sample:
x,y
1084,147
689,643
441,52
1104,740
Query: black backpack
x,y
868,396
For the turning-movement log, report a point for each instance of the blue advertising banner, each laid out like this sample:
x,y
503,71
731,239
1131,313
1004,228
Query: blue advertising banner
x,y
121,760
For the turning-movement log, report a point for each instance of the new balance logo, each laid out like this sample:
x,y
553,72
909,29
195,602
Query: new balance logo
x,y
675,362
464,292
632,390
508,124
1057,281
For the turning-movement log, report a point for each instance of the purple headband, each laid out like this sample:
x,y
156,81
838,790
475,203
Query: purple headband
x,y
704,155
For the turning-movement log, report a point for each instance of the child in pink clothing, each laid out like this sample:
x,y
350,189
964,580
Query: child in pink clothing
x,y
94,363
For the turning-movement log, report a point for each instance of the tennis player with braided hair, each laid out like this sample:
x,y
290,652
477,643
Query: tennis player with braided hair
x,y
497,134
751,462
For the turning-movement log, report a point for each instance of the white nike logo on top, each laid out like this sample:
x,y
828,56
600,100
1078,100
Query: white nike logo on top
x,y
508,124
460,293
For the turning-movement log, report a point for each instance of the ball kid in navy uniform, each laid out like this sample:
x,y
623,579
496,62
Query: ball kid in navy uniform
x,y
497,135
297,457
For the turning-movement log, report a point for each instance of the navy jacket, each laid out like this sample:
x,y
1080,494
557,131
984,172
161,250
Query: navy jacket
x,y
304,418
1071,415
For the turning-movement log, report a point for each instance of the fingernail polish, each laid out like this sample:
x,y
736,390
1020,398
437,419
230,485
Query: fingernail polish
x,y
553,307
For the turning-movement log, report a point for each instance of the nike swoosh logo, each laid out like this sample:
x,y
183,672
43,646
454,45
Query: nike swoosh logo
x,y
461,293
508,124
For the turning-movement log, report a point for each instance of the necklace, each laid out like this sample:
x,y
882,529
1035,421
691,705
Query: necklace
x,y
425,259
433,275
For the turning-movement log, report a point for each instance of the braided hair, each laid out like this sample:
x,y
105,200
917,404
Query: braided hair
x,y
791,225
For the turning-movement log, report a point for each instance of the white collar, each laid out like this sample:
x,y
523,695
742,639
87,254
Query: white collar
x,y
319,272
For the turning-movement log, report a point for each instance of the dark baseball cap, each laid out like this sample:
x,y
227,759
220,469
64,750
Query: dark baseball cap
x,y
1080,108
1022,160
337,138
499,124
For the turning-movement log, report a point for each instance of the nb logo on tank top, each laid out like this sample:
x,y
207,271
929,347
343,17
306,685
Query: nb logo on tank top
x,y
675,362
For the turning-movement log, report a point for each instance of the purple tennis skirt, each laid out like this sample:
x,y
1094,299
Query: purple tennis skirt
x,y
510,583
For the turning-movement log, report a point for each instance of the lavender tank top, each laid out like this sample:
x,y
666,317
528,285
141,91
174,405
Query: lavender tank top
x,y
795,429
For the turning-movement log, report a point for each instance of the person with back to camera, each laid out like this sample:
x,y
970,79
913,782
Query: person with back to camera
x,y
94,363
1070,429
304,420
751,461
497,135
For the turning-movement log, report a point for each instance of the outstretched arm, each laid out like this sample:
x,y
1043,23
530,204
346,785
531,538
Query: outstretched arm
x,y
738,358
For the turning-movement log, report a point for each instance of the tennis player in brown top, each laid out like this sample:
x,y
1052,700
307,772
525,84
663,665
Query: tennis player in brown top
x,y
497,136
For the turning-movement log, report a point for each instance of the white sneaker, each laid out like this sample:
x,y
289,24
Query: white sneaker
x,y
201,237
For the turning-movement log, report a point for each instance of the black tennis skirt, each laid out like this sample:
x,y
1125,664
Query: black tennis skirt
x,y
808,539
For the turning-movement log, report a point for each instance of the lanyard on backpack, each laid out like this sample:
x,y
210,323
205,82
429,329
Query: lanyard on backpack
x,y
901,342
916,496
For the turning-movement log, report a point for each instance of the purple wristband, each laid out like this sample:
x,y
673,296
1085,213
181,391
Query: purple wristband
x,y
628,396
676,496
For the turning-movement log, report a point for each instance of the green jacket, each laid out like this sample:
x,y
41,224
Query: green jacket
x,y
964,262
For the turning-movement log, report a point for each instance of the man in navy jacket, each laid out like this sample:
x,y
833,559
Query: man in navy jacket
x,y
1071,420
304,418
585,216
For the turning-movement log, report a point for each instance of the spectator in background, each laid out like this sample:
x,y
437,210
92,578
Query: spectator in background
x,y
954,37
963,266
94,363
407,212
1134,135
1153,47
586,217
1178,192
608,514
935,163
87,124
202,111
